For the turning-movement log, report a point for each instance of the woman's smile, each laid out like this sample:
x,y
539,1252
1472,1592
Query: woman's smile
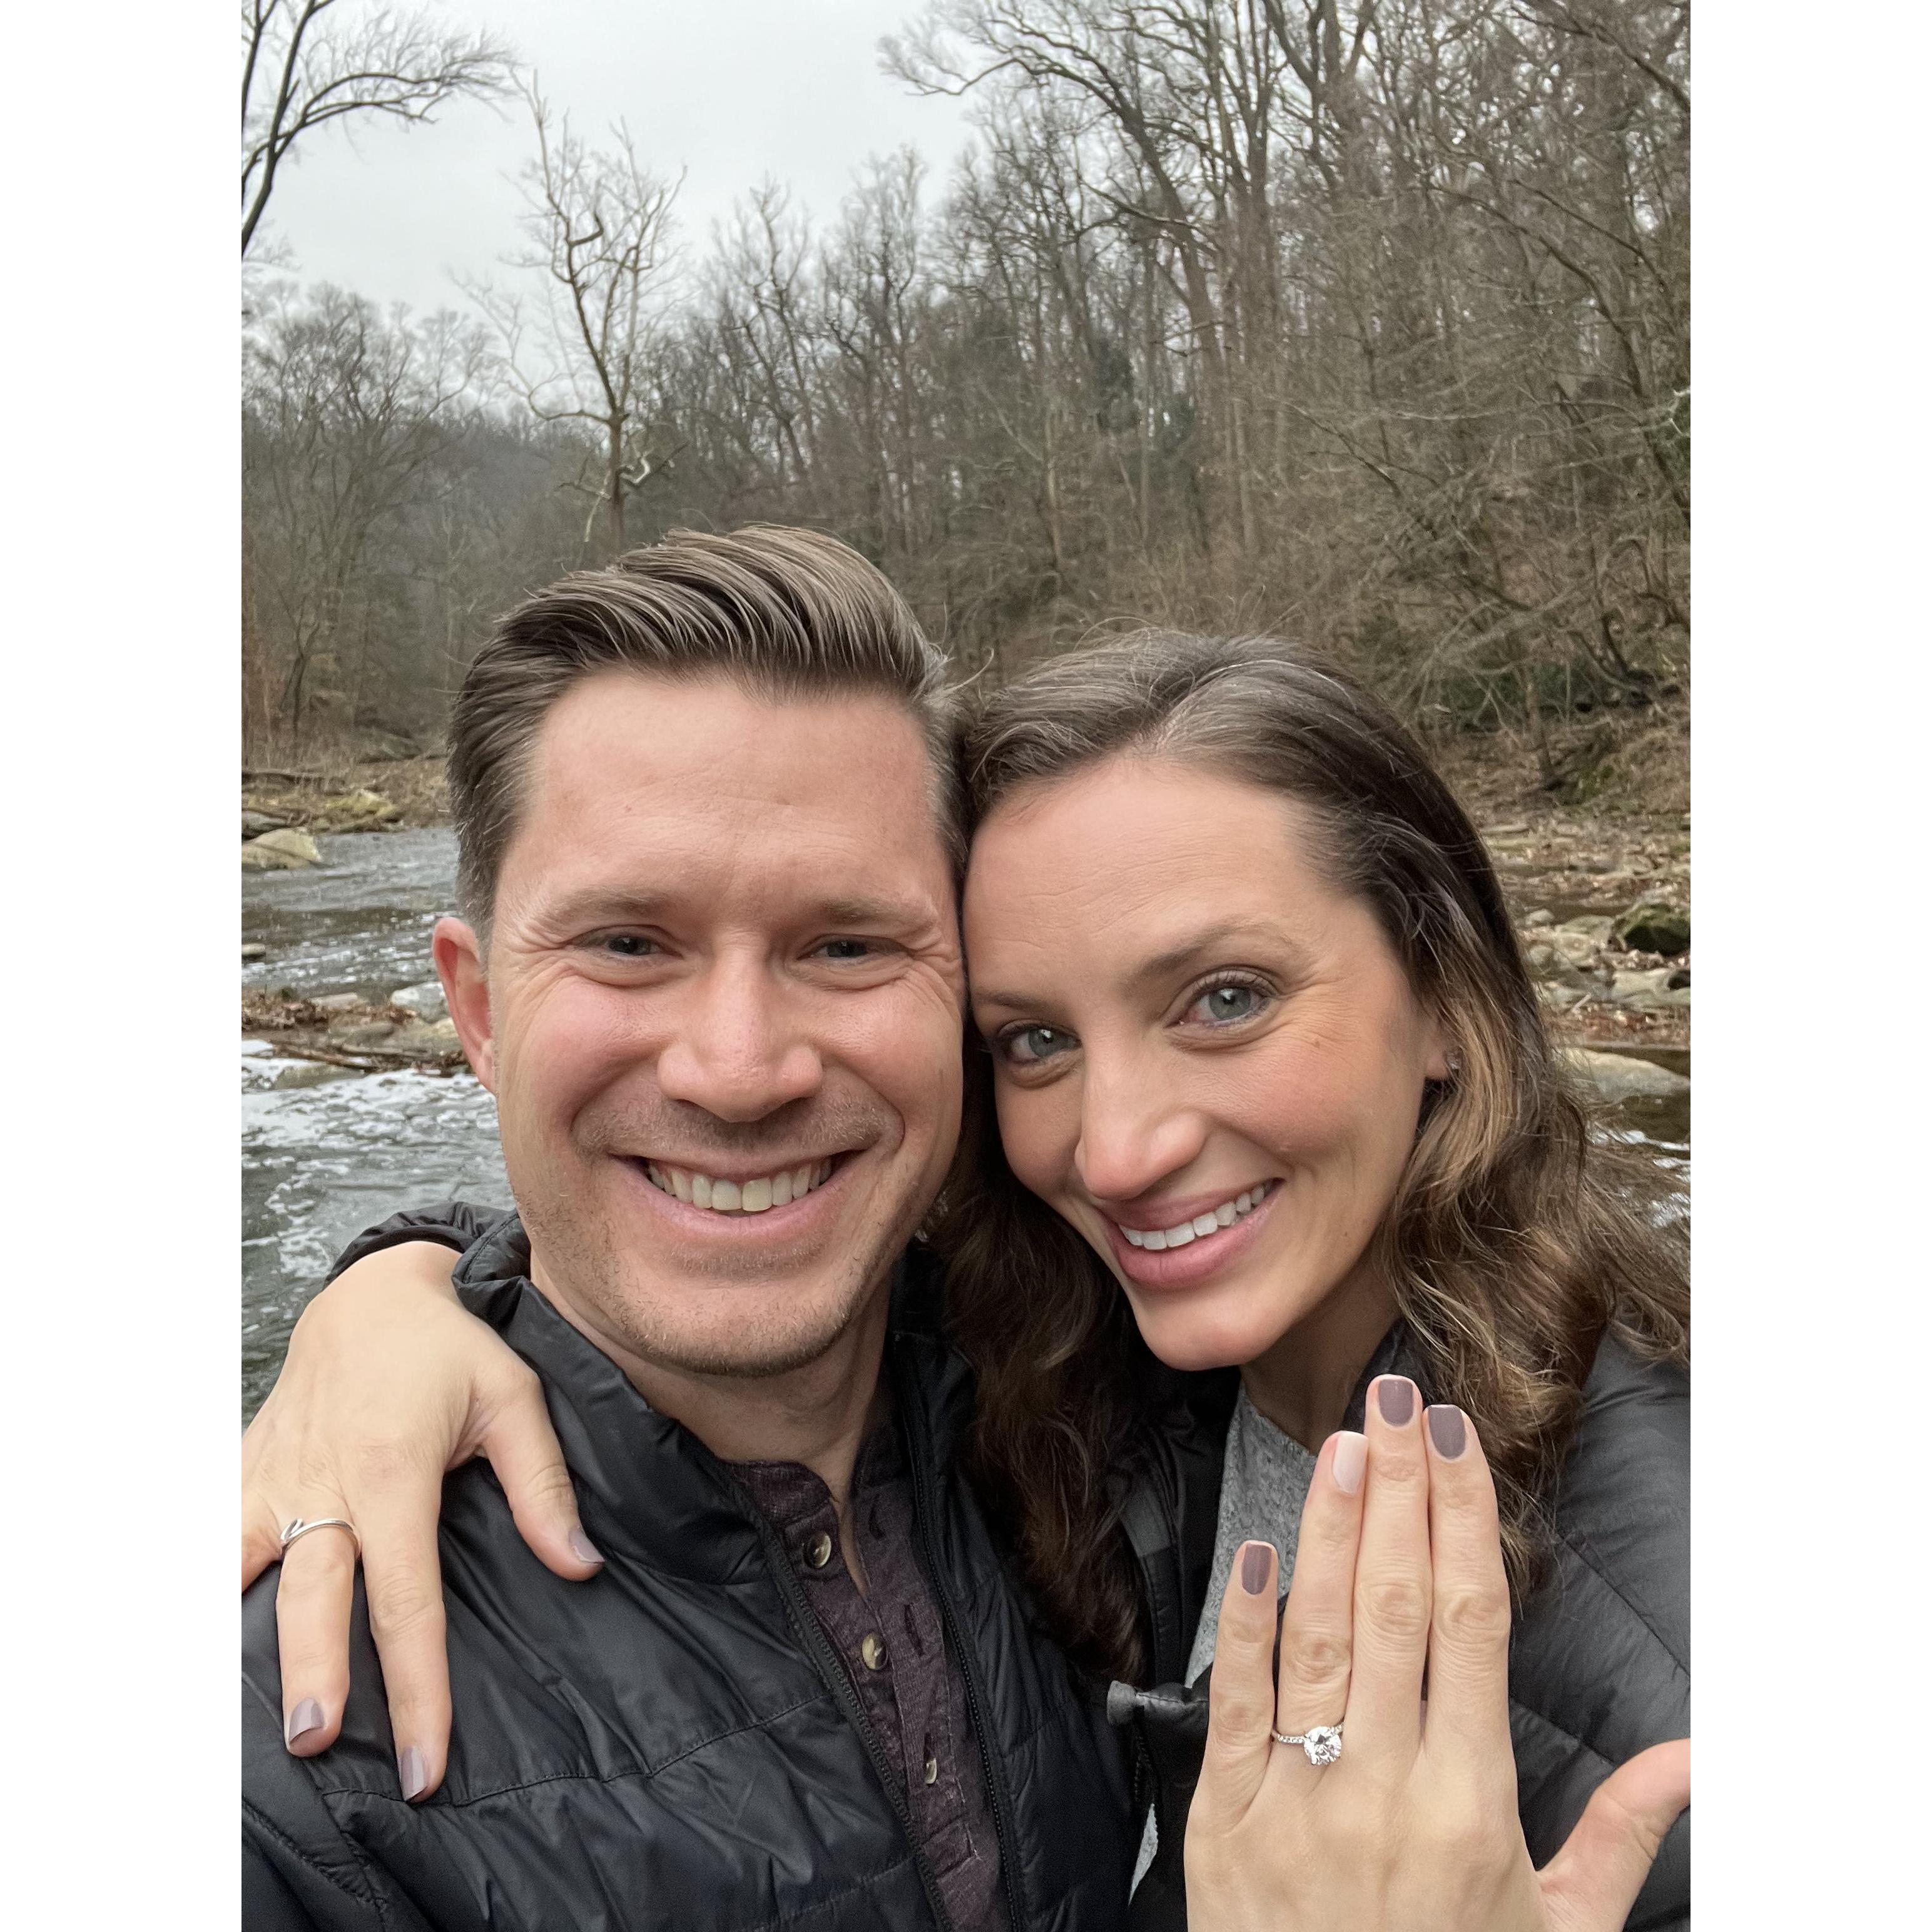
x,y
1195,1244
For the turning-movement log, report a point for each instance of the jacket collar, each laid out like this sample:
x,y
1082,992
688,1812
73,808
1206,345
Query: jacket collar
x,y
646,1482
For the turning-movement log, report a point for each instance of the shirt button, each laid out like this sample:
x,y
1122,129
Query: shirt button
x,y
931,1770
872,1648
818,1550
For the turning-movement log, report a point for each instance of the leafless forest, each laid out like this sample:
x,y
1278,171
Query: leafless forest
x,y
1368,323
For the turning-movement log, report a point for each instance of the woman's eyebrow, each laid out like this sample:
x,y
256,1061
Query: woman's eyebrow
x,y
1177,959
1165,965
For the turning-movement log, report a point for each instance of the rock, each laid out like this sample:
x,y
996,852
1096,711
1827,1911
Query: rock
x,y
1547,963
1578,948
425,1000
338,1003
254,950
1542,915
356,811
1650,926
432,1042
1512,831
254,823
361,1033
387,748
1617,1076
1649,992
1595,926
286,851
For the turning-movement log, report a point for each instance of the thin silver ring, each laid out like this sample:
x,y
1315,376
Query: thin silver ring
x,y
1321,1745
297,1527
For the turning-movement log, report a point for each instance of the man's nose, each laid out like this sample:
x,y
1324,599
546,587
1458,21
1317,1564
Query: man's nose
x,y
739,1052
1134,1130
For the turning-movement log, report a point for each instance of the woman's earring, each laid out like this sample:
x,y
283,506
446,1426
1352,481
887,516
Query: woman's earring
x,y
1455,1064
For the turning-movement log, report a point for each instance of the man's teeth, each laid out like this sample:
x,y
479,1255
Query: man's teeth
x,y
1225,1215
740,1197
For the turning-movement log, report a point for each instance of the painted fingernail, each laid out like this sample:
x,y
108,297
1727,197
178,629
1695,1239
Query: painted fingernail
x,y
1351,1458
412,1771
1447,1432
1395,1397
1255,1566
583,1549
305,1718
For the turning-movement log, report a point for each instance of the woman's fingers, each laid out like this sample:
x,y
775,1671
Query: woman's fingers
x,y
402,1576
1591,1883
1392,1593
312,1600
1469,1618
515,1434
1240,1697
1318,1627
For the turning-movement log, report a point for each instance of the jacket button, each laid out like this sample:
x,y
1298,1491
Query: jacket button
x,y
818,1550
872,1648
931,1769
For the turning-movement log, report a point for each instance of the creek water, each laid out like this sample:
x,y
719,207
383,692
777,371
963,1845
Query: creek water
x,y
325,1151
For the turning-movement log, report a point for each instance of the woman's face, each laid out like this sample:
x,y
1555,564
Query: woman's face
x,y
1206,1058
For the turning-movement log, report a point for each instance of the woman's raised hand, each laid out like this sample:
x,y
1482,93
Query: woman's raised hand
x,y
390,1382
1400,1568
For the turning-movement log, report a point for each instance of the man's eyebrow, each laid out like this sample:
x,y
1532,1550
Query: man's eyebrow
x,y
1159,966
595,905
868,910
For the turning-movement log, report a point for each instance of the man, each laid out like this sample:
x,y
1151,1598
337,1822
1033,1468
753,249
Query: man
x,y
710,968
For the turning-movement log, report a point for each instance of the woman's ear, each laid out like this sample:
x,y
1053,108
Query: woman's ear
x,y
459,965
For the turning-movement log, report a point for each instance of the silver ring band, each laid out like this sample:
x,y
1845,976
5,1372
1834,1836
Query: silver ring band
x,y
1321,1745
298,1527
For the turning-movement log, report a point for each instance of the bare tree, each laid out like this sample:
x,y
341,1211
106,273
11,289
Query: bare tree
x,y
301,70
599,224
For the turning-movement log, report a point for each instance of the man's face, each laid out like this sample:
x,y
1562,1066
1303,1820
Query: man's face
x,y
724,969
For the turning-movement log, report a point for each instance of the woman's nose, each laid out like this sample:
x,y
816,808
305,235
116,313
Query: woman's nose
x,y
1134,1134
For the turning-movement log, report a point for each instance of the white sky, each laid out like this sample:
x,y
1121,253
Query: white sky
x,y
730,90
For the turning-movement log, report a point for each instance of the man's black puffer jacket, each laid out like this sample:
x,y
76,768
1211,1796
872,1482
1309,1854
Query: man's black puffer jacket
x,y
672,1743
1600,1655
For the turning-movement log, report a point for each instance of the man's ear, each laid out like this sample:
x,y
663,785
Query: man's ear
x,y
459,965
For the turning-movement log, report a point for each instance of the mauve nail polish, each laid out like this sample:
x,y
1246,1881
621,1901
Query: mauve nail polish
x,y
1447,1432
1395,1397
1255,1567
583,1549
412,1770
305,1718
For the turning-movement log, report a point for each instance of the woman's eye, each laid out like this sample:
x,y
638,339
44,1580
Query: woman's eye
x,y
1226,1005
1027,1046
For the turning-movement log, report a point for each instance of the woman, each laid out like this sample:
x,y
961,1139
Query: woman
x,y
1265,1087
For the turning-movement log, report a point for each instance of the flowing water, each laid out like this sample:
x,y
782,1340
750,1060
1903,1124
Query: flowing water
x,y
325,1151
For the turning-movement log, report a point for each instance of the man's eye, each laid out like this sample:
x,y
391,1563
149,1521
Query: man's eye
x,y
629,945
1028,1046
1228,1005
846,949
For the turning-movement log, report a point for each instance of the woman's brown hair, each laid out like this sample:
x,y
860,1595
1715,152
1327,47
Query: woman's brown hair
x,y
1510,1249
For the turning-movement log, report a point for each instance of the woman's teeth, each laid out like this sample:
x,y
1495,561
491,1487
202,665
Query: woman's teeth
x,y
1225,1215
740,1197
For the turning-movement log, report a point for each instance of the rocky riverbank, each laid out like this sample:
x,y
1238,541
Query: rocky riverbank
x,y
413,1028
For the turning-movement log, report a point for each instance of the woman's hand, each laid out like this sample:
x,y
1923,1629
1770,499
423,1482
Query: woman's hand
x,y
389,1382
1416,1823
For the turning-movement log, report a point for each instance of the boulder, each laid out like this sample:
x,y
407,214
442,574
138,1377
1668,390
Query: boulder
x,y
1651,926
254,949
1595,926
1578,948
1541,916
1649,992
1618,1076
361,1033
425,1000
1546,961
356,811
286,851
338,1003
254,823
432,1042
387,748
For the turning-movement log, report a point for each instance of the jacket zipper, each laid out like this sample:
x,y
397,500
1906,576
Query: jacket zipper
x,y
778,1560
989,1756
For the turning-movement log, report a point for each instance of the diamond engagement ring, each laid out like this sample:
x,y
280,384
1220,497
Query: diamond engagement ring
x,y
1323,1744
297,1527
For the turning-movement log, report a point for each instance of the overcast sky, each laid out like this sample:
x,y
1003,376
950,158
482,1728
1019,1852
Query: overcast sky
x,y
730,90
